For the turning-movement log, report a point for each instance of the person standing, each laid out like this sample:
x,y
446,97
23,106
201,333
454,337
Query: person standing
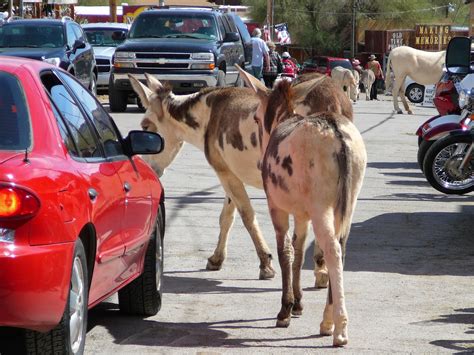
x,y
259,53
289,66
374,65
275,65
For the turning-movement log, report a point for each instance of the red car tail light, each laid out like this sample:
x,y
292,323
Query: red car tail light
x,y
16,205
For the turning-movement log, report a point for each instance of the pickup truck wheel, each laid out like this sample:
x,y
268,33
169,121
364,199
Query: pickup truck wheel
x,y
220,78
93,85
117,99
140,105
69,336
239,83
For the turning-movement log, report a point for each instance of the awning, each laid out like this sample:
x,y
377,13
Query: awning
x,y
61,2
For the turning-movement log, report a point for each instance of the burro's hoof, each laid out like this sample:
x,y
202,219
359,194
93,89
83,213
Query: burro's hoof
x,y
283,323
410,112
212,265
400,112
339,340
267,273
297,309
322,279
326,329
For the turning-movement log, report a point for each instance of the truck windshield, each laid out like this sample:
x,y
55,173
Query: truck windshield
x,y
31,35
166,26
101,37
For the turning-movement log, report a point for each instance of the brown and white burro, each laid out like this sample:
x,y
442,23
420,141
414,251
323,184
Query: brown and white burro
x,y
312,168
219,121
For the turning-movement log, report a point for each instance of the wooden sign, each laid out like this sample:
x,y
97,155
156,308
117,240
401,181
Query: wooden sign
x,y
434,37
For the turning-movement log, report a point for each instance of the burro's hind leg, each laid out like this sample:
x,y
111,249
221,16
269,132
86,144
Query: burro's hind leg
x,y
320,268
335,317
299,239
285,257
404,100
214,262
396,92
236,191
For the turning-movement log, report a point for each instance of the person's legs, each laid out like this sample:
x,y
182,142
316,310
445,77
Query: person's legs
x,y
268,80
373,90
257,72
272,81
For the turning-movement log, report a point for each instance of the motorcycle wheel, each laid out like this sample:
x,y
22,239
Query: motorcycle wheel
x,y
441,163
422,149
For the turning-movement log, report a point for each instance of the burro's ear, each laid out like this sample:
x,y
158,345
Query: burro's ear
x,y
252,82
153,83
143,92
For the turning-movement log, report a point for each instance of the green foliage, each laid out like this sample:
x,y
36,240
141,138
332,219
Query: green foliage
x,y
324,26
93,2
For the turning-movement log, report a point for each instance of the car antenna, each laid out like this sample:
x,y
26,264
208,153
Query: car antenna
x,y
25,159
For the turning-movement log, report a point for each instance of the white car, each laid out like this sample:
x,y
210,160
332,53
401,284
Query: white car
x,y
413,91
101,37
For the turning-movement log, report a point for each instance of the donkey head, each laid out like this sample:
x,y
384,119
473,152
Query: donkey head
x,y
275,106
156,119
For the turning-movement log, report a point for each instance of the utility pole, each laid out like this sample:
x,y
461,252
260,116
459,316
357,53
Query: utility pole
x,y
471,18
270,18
353,34
113,10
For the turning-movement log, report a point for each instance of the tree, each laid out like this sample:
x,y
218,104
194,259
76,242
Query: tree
x,y
325,27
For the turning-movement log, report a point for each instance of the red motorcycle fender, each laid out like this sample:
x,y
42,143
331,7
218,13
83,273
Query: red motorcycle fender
x,y
441,131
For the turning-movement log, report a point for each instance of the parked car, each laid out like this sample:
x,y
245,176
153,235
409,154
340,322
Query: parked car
x,y
104,38
81,214
324,64
191,48
414,92
58,42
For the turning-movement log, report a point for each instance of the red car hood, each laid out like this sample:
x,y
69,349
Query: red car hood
x,y
5,156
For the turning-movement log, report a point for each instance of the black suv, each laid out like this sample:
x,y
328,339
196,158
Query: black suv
x,y
59,42
191,48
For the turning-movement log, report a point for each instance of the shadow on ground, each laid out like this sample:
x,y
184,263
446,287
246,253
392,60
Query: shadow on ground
x,y
460,316
424,243
188,334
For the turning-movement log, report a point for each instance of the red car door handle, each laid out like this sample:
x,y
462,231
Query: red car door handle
x,y
127,187
92,193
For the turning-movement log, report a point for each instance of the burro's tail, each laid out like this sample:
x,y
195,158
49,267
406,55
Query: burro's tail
x,y
388,77
350,158
344,198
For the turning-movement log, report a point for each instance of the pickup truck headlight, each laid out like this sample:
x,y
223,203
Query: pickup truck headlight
x,y
203,66
124,55
54,61
202,56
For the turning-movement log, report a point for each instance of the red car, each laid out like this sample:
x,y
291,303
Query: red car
x,y
324,64
81,214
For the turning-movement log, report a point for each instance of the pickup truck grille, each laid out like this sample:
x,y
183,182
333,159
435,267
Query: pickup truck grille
x,y
163,66
160,60
103,65
163,55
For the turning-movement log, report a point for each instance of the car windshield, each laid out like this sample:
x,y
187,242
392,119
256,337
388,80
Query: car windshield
x,y
340,63
166,26
99,37
14,117
31,35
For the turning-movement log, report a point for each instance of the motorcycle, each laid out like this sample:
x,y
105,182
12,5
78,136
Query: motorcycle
x,y
440,126
449,163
